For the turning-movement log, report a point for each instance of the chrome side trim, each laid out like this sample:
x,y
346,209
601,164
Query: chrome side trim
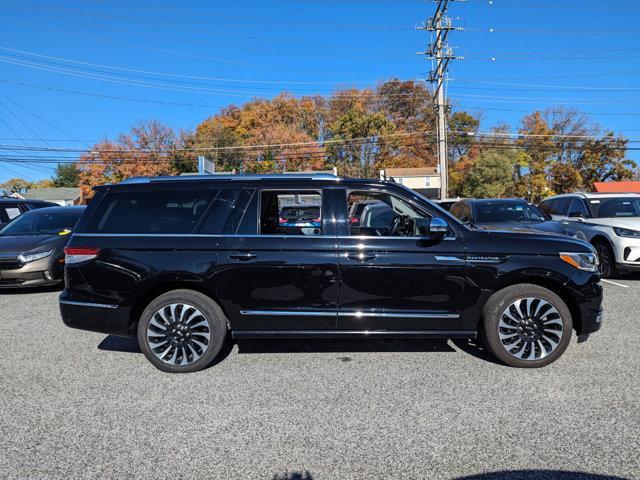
x,y
247,334
307,313
88,304
398,315
289,313
445,258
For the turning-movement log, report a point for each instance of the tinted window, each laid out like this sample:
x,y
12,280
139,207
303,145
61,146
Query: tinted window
x,y
42,224
462,210
555,206
227,211
616,207
157,211
578,208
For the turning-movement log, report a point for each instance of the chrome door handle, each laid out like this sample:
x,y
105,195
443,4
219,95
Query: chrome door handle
x,y
242,256
361,256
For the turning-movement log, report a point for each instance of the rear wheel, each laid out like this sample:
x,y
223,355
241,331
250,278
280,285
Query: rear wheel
x,y
607,259
182,331
526,326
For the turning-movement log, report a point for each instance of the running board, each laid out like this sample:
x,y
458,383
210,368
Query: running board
x,y
353,334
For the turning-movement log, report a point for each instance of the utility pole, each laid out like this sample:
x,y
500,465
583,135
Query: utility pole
x,y
440,54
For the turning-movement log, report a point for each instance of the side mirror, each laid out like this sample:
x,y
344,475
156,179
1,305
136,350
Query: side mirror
x,y
434,227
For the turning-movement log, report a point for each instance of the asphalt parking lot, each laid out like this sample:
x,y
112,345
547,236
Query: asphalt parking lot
x,y
75,404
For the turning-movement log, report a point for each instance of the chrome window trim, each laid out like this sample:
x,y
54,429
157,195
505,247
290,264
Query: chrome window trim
x,y
88,304
230,235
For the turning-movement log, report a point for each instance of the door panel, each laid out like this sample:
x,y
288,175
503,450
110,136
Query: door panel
x,y
398,282
279,282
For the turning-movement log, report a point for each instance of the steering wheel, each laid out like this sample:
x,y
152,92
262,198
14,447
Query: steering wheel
x,y
395,225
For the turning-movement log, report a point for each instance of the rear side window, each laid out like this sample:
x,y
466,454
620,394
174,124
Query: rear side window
x,y
556,206
157,211
228,211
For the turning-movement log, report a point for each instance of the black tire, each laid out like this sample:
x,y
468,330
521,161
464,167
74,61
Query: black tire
x,y
607,259
494,312
215,327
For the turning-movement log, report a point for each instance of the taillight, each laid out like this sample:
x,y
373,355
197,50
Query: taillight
x,y
282,220
316,220
80,254
353,220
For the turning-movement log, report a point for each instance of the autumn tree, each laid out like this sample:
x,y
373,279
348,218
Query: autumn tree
x,y
16,185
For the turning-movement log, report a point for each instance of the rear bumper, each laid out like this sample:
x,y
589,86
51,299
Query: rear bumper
x,y
106,318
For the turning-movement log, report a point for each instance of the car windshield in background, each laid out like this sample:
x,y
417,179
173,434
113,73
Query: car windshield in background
x,y
41,224
615,207
500,212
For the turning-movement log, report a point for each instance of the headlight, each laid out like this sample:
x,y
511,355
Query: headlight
x,y
625,232
32,257
582,261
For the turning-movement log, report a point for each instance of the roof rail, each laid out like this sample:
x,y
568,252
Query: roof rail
x,y
277,176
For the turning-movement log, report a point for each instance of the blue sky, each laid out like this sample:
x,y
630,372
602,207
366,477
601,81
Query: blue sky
x,y
541,53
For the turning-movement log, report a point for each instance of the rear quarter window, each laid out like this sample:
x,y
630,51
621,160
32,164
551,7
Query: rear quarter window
x,y
151,211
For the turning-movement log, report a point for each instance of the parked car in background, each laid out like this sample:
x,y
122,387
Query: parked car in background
x,y
11,208
182,263
610,222
448,203
32,246
498,213
295,216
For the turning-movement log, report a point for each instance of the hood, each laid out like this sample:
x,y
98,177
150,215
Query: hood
x,y
31,243
549,227
632,223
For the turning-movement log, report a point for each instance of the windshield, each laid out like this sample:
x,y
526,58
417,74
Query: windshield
x,y
615,207
499,212
39,223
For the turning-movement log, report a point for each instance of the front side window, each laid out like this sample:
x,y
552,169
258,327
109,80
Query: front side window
x,y
150,212
41,224
616,207
291,213
382,214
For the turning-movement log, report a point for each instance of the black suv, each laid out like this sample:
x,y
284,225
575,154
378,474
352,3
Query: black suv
x,y
181,262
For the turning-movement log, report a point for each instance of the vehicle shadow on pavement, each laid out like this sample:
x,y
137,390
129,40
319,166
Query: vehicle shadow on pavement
x,y
342,345
31,290
539,475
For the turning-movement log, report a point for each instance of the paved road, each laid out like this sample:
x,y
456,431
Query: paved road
x,y
80,405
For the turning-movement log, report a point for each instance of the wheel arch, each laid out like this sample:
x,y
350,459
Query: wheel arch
x,y
157,289
555,285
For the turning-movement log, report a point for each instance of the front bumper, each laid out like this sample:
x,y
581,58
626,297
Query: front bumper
x,y
627,253
587,292
33,274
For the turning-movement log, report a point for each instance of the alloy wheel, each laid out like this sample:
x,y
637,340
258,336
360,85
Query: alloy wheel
x,y
605,260
530,328
178,334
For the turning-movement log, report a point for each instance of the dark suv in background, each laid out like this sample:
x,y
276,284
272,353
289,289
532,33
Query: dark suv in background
x,y
11,208
182,261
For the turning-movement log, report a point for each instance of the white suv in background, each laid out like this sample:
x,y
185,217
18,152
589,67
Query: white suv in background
x,y
610,222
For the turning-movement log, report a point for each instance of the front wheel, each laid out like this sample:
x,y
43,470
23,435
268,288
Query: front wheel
x,y
607,260
182,331
527,326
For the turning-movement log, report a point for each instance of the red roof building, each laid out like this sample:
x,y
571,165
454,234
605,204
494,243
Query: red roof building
x,y
617,187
